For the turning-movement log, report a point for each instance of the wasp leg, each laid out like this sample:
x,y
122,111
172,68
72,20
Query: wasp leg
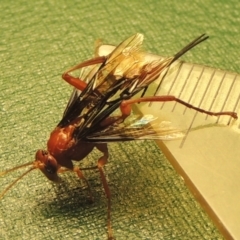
x,y
76,82
126,108
101,162
78,171
80,175
126,105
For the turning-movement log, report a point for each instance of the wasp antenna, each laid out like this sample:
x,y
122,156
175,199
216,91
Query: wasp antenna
x,y
192,44
15,181
15,168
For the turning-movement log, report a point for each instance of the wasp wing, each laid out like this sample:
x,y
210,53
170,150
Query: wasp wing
x,y
137,128
124,57
122,75
102,80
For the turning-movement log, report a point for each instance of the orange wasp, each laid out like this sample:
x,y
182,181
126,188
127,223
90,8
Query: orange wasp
x,y
107,83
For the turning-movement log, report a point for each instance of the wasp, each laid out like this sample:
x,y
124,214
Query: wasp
x,y
99,110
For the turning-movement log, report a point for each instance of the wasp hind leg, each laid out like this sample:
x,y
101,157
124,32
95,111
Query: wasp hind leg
x,y
76,82
126,105
126,108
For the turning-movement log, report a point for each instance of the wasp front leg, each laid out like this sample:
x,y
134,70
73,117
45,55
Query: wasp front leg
x,y
80,174
76,82
102,161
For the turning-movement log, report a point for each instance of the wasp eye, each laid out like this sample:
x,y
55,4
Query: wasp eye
x,y
50,165
44,152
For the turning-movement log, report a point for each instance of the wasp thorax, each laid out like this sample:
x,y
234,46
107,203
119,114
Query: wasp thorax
x,y
47,164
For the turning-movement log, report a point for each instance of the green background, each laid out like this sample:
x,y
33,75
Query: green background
x,y
38,41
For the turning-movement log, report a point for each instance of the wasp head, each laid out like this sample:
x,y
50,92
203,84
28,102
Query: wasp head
x,y
47,164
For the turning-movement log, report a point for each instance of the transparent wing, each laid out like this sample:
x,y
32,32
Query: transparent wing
x,y
124,62
137,128
127,47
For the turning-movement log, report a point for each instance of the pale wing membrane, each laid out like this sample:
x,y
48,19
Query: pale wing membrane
x,y
130,45
138,128
124,57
